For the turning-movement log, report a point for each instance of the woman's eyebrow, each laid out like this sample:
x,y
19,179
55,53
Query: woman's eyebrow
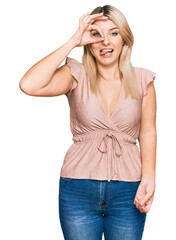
x,y
113,28
109,29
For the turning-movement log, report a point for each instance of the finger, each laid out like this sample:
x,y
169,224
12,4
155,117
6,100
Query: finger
x,y
148,204
139,197
141,208
97,28
145,209
96,40
89,21
92,18
98,18
81,19
145,199
136,203
84,15
96,15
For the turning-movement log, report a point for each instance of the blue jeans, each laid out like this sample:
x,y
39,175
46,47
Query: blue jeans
x,y
88,208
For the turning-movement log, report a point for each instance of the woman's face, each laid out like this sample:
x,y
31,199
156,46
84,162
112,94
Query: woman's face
x,y
112,40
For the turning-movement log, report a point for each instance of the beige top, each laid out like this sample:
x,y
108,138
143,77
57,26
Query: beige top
x,y
104,146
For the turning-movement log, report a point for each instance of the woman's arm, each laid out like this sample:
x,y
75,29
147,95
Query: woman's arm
x,y
147,139
44,79
148,133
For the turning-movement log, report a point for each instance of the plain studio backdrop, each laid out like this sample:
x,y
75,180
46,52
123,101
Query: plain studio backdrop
x,y
35,131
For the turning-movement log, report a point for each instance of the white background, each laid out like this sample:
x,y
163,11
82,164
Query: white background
x,y
35,132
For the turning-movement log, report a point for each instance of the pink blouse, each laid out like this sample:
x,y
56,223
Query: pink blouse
x,y
104,147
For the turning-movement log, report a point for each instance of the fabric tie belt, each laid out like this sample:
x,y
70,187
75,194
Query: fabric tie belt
x,y
114,150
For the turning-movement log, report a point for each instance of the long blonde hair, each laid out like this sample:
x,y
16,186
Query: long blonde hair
x,y
126,70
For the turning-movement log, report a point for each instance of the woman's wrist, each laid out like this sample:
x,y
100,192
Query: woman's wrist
x,y
148,170
72,43
150,176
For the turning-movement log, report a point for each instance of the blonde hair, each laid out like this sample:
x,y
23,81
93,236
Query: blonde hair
x,y
126,70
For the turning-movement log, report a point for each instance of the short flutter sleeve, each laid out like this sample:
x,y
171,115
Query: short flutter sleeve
x,y
147,77
76,71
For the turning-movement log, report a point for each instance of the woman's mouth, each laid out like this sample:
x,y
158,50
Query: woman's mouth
x,y
106,52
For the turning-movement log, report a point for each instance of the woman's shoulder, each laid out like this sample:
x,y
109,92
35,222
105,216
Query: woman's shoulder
x,y
144,76
77,71
143,71
73,62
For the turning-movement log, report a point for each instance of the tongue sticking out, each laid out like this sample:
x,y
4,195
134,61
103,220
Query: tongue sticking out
x,y
106,52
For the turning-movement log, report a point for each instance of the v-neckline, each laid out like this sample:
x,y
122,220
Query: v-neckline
x,y
117,103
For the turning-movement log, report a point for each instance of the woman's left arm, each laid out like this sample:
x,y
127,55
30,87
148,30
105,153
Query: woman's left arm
x,y
148,142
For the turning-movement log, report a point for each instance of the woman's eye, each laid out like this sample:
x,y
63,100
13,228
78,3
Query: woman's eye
x,y
95,33
115,33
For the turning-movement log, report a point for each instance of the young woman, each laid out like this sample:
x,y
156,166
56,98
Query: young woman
x,y
106,184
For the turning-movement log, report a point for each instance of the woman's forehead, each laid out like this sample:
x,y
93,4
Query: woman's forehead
x,y
105,24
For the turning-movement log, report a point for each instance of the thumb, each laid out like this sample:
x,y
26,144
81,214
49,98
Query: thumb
x,y
98,40
145,199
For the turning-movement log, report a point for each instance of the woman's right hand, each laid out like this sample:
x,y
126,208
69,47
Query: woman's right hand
x,y
83,36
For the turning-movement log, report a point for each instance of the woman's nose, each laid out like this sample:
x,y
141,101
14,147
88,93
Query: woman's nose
x,y
106,40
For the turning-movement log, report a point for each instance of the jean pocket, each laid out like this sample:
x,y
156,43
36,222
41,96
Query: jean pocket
x,y
66,179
